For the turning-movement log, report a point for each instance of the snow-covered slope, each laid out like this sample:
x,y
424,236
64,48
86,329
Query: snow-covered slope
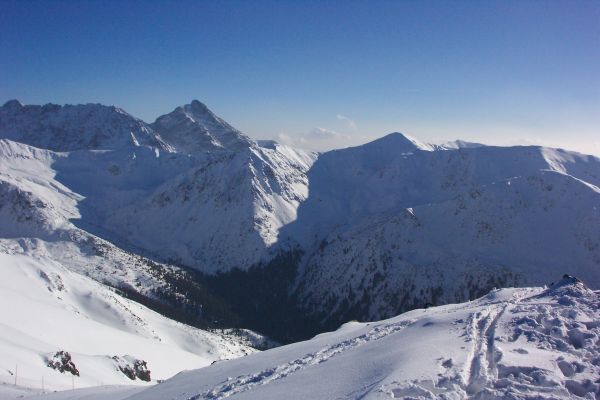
x,y
47,308
392,174
38,216
52,274
388,227
224,213
528,343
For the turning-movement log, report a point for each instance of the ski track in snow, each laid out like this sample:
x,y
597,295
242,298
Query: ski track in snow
x,y
484,356
482,364
246,382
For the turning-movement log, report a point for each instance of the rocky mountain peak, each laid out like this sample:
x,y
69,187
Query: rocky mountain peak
x,y
194,128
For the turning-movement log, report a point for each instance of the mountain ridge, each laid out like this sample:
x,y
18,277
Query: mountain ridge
x,y
359,233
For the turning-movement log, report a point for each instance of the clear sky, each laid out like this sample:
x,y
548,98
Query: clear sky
x,y
321,74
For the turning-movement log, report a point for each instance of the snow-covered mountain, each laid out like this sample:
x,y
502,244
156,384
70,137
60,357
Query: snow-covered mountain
x,y
193,129
359,233
39,216
527,343
223,212
78,127
193,176
391,225
61,324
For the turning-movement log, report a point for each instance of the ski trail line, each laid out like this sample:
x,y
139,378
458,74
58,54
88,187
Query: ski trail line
x,y
482,360
490,336
475,376
246,382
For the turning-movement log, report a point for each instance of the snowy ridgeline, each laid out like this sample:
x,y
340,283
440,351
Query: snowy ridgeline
x,y
192,189
528,343
91,196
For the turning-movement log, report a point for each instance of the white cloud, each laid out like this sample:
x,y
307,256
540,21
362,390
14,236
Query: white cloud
x,y
323,134
351,123
318,139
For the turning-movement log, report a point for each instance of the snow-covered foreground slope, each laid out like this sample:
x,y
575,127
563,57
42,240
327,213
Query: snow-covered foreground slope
x,y
47,308
528,343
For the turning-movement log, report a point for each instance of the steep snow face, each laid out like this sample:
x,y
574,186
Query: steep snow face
x,y
47,308
530,343
31,204
505,233
79,127
193,128
205,202
581,166
395,143
224,212
39,215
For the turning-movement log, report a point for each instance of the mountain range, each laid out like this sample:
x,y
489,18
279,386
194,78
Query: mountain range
x,y
195,220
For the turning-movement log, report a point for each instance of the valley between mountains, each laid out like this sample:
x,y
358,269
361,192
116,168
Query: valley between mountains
x,y
173,244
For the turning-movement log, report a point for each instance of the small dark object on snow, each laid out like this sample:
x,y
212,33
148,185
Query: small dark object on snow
x,y
133,368
141,370
571,278
62,362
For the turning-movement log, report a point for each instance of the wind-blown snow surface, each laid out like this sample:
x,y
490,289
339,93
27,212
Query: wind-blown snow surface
x,y
528,343
46,308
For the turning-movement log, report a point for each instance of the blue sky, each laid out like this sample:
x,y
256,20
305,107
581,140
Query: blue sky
x,y
321,74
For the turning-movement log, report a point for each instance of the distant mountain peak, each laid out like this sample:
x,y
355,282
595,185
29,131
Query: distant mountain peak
x,y
197,106
13,104
194,128
397,141
200,113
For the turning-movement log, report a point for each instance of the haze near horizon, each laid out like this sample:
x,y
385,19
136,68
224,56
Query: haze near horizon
x,y
322,75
